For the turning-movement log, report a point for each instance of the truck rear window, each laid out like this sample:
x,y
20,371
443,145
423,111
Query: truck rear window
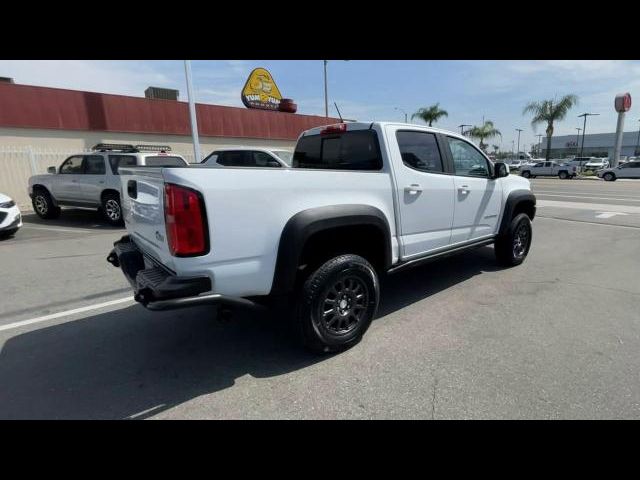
x,y
165,161
356,150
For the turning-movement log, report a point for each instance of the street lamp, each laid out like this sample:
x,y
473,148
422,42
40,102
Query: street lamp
x,y
584,128
462,128
518,130
405,114
192,112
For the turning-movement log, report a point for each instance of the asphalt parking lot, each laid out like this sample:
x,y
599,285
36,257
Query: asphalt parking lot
x,y
557,337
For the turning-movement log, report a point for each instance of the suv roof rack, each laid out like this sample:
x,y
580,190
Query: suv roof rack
x,y
111,147
153,148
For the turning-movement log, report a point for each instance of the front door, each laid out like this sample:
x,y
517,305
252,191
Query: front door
x,y
477,195
67,186
424,191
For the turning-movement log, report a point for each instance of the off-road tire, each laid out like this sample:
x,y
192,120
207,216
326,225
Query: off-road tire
x,y
347,288
509,251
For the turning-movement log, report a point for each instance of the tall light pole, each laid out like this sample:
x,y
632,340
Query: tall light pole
x,y
405,114
326,98
635,150
578,139
462,128
584,128
518,130
539,143
192,112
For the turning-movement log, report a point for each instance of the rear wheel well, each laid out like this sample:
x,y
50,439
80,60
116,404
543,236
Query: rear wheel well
x,y
367,241
108,191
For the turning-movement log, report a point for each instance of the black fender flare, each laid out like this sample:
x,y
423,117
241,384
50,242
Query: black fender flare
x,y
308,222
514,199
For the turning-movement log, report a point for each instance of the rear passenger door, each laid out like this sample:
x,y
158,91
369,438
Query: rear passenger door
x,y
477,194
424,191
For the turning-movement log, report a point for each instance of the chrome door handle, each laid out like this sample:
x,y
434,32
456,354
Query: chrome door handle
x,y
413,188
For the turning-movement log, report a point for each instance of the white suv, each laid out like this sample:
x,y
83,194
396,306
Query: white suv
x,y
91,179
249,157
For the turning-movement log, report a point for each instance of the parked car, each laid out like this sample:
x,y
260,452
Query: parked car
x,y
10,217
91,180
361,200
596,164
515,165
627,170
548,169
248,157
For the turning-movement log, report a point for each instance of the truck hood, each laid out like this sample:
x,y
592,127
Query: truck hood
x,y
4,198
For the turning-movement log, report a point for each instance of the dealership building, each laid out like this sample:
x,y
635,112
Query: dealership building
x,y
595,145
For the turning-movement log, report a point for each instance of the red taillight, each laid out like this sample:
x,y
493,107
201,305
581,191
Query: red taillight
x,y
186,221
337,128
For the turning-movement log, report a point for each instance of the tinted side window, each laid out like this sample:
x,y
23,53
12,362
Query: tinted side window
x,y
94,165
117,161
261,159
356,150
467,160
419,150
233,159
164,161
72,165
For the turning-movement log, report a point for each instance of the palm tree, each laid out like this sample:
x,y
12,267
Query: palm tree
x,y
550,111
486,131
430,114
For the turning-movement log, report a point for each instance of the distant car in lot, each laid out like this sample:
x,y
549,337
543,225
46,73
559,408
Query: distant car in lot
x,y
249,157
91,179
10,217
627,170
596,164
515,165
548,169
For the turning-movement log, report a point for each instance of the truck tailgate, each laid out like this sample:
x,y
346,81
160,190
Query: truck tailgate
x,y
143,208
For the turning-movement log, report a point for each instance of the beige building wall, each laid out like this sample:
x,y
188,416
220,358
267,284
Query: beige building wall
x,y
83,140
25,152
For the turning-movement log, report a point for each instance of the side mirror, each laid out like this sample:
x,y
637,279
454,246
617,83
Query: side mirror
x,y
51,170
501,170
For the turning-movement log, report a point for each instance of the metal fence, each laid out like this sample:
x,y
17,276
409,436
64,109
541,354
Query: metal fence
x,y
17,164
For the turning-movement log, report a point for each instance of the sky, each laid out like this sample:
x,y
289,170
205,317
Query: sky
x,y
469,90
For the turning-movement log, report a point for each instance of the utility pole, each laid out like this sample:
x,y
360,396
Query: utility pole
x,y
584,129
578,139
405,114
518,130
192,112
539,144
635,150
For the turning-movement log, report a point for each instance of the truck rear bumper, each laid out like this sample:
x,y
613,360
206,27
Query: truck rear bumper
x,y
156,288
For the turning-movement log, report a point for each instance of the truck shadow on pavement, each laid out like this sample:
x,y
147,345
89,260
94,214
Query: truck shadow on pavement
x,y
132,363
72,218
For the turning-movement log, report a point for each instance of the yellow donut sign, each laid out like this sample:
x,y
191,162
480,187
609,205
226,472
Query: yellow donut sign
x,y
261,91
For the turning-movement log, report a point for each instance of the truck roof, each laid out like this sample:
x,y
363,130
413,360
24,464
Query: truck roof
x,y
351,126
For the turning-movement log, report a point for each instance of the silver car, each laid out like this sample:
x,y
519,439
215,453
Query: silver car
x,y
249,157
91,180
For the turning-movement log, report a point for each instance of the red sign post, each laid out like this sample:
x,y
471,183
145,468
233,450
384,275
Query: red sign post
x,y
622,104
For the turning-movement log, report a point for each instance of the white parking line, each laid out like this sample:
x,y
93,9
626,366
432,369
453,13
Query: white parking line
x,y
602,207
66,230
66,313
543,194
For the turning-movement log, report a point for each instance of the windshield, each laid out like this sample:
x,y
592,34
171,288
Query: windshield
x,y
284,156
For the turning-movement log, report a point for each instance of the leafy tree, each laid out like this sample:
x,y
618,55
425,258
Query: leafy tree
x,y
549,112
484,132
431,114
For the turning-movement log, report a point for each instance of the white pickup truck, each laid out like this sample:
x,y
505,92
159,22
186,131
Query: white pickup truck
x,y
361,200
